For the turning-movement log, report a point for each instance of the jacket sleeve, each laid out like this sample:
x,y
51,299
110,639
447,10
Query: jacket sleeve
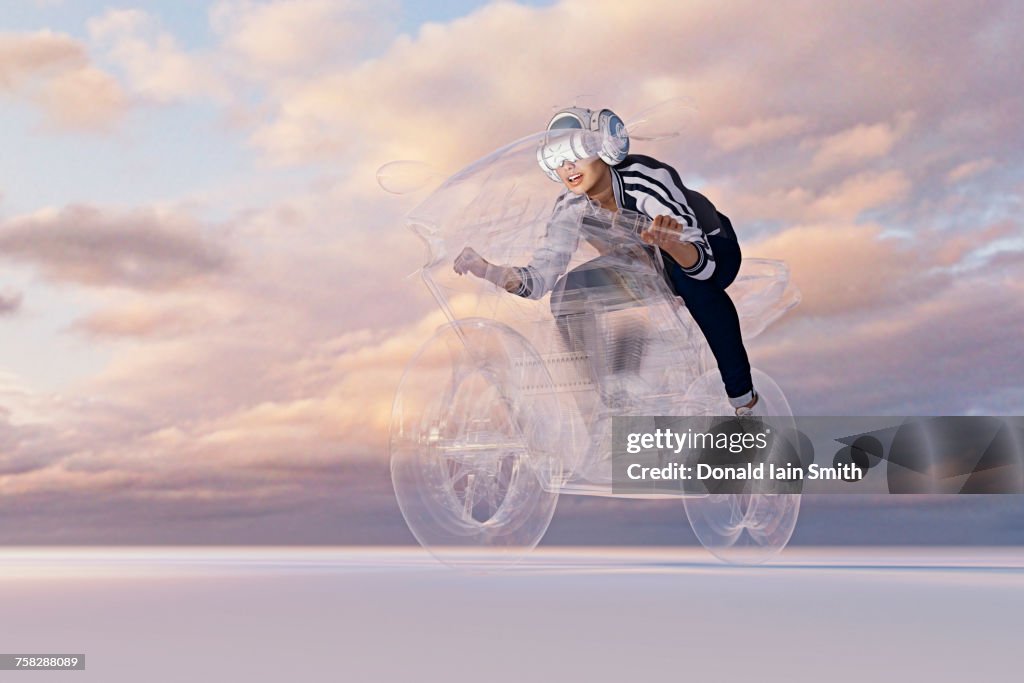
x,y
551,259
659,191
654,206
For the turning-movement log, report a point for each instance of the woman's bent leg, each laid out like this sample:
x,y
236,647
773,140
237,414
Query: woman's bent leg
x,y
715,315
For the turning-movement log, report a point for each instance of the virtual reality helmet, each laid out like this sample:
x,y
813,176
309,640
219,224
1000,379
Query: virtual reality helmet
x,y
576,133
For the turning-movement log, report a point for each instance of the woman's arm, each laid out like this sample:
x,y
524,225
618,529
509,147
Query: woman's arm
x,y
660,194
547,264
665,233
506,277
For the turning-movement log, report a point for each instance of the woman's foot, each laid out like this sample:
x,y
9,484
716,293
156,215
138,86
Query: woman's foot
x,y
752,409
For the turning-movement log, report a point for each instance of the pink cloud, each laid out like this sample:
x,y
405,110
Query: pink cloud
x,y
951,249
10,302
841,268
23,54
860,193
270,44
921,357
301,421
861,143
969,169
145,319
154,64
53,72
451,67
758,132
842,201
283,37
83,244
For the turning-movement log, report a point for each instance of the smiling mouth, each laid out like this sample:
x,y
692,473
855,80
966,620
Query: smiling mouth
x,y
574,179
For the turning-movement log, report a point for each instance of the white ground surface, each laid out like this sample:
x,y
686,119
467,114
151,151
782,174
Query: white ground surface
x,y
850,614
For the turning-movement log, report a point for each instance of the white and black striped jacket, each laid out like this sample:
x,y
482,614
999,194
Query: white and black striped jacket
x,y
643,185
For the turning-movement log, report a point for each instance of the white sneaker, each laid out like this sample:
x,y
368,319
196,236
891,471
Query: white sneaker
x,y
754,410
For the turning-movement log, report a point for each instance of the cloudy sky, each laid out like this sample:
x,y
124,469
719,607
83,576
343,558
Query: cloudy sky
x,y
204,301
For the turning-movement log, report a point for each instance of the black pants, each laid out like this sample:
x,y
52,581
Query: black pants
x,y
715,314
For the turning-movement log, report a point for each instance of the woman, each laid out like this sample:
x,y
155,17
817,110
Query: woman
x,y
696,243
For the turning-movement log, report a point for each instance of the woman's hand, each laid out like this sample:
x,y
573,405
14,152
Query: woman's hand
x,y
666,233
663,232
470,261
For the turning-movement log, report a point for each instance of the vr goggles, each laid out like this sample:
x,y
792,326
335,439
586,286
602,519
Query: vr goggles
x,y
575,134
